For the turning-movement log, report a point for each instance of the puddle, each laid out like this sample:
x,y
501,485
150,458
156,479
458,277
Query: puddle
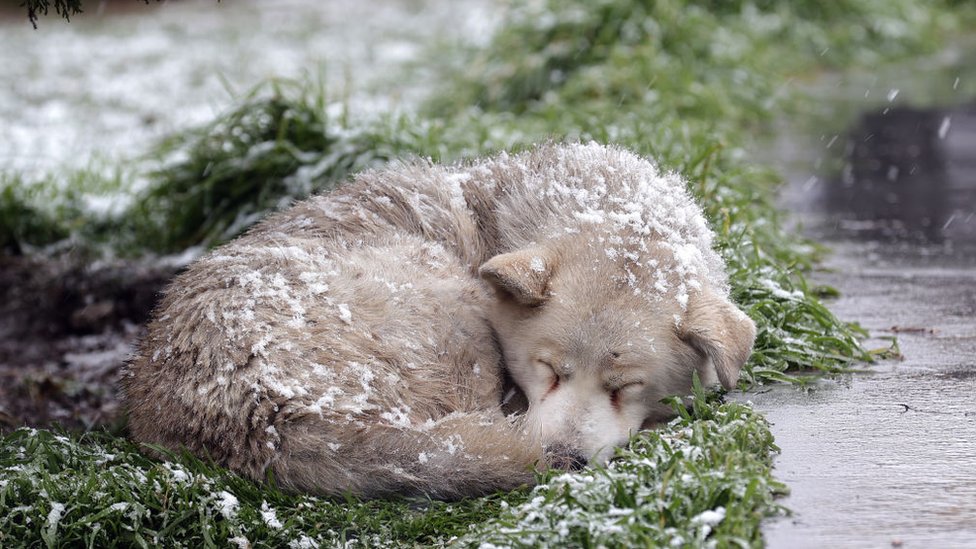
x,y
887,458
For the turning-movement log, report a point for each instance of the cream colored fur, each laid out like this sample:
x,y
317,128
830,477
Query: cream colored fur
x,y
360,341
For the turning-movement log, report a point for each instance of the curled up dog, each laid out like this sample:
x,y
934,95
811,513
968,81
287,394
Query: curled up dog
x,y
362,341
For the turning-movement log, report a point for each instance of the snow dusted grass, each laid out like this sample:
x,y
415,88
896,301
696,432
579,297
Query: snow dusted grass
x,y
279,144
83,208
695,483
700,480
99,491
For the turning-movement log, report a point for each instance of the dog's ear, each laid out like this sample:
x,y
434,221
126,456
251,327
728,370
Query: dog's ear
x,y
523,275
719,330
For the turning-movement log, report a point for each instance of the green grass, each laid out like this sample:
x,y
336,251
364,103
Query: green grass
x,y
277,145
61,490
82,209
697,482
691,83
112,495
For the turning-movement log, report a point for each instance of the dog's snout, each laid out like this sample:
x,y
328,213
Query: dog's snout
x,y
566,458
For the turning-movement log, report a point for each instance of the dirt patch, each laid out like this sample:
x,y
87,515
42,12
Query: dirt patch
x,y
66,327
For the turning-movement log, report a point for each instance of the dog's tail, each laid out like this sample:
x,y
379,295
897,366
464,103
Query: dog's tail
x,y
463,454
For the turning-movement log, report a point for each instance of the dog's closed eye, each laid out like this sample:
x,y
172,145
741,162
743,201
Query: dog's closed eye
x,y
552,371
622,391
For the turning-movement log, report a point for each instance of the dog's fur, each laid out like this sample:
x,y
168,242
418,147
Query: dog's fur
x,y
360,341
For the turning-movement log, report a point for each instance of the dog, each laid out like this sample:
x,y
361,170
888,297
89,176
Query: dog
x,y
368,341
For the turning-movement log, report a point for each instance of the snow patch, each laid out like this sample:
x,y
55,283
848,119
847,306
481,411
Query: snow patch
x,y
345,314
537,264
227,505
303,542
778,291
54,518
269,516
398,417
178,473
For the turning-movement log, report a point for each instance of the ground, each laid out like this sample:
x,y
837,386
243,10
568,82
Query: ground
x,y
65,330
859,449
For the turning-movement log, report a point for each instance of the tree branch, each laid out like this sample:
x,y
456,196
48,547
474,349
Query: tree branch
x,y
65,8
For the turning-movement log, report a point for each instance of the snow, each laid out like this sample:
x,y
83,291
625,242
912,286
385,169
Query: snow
x,y
345,314
104,86
454,182
636,210
177,472
944,127
327,400
452,444
227,505
398,417
709,519
537,264
269,516
54,516
107,206
572,506
303,542
779,292
315,282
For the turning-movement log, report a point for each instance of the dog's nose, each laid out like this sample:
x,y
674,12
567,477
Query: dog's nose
x,y
563,457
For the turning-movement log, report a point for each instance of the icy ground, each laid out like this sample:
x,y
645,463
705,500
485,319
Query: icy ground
x,y
108,83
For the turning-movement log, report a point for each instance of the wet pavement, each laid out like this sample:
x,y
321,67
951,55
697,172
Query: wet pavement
x,y
887,458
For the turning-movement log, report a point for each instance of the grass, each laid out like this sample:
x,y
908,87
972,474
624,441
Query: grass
x,y
57,213
692,83
279,144
62,490
105,493
696,483
204,186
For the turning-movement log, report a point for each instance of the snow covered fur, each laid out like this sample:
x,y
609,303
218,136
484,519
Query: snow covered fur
x,y
361,341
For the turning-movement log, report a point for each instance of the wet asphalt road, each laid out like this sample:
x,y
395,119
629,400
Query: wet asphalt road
x,y
887,458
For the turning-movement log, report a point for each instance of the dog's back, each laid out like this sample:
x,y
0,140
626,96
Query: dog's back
x,y
341,344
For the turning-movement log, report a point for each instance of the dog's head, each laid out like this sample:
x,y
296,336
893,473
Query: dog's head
x,y
595,346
